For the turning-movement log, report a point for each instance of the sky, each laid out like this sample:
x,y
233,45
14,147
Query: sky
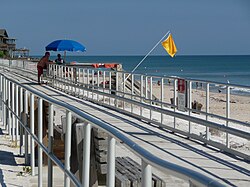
x,y
131,27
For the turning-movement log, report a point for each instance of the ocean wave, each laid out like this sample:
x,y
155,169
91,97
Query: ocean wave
x,y
241,90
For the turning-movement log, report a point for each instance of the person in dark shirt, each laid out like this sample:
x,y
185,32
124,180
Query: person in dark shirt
x,y
59,60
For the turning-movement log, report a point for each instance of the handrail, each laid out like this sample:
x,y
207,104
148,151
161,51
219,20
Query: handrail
x,y
159,102
178,171
95,89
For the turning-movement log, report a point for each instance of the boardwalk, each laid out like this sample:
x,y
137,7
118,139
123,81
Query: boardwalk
x,y
168,146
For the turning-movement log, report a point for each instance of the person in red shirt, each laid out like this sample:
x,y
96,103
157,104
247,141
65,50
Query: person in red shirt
x,y
42,64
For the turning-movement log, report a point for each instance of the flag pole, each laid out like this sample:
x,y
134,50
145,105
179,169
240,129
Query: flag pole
x,y
146,56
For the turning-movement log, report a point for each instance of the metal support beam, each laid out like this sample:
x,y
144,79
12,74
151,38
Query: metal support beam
x,y
189,104
9,112
17,114
3,104
146,174
20,114
207,109
175,100
26,140
13,109
111,162
67,146
40,138
86,154
50,144
32,130
227,113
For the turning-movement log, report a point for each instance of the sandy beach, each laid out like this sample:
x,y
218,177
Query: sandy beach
x,y
239,105
239,110
12,166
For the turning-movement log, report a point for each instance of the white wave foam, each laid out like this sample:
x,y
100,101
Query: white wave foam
x,y
241,89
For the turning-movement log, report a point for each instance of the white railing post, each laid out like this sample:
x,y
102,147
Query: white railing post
x,y
40,139
50,144
9,112
1,83
124,88
111,162
141,94
110,86
72,80
207,109
104,85
32,130
26,140
2,89
84,82
146,174
4,98
88,84
162,97
175,99
86,154
55,77
20,114
13,109
189,104
227,113
67,147
98,84
16,111
61,77
93,83
150,96
4,101
2,104
132,91
48,73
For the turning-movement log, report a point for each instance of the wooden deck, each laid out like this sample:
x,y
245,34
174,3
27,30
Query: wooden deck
x,y
168,146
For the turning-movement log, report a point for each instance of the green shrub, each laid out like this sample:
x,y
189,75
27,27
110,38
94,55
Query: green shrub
x,y
1,54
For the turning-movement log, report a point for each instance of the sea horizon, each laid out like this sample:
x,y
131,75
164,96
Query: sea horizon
x,y
54,53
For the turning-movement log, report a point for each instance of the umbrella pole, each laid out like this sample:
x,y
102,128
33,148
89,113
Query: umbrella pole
x,y
64,56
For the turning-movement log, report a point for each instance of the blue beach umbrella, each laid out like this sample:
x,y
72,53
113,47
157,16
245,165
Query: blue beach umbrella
x,y
65,45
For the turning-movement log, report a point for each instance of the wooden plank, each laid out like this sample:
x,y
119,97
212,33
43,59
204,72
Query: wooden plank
x,y
121,180
101,143
128,167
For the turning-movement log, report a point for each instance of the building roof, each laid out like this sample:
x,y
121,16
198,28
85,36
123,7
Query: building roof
x,y
3,32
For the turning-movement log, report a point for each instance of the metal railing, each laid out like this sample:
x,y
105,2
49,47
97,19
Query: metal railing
x,y
14,108
138,96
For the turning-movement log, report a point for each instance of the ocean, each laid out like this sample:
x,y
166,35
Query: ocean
x,y
223,69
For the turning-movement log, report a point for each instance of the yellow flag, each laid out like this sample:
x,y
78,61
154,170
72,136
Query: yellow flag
x,y
169,46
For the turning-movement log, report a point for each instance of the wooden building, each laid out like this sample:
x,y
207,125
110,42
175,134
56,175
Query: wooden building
x,y
7,45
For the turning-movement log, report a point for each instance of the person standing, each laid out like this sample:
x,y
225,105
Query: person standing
x,y
42,64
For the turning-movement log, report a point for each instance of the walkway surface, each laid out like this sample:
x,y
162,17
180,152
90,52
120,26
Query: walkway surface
x,y
171,147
